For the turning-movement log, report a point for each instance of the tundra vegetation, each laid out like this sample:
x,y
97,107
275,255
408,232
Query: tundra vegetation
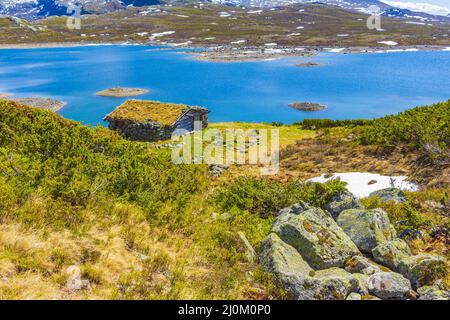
x,y
139,227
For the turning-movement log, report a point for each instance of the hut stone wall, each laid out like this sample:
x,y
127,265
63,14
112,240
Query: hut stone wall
x,y
142,131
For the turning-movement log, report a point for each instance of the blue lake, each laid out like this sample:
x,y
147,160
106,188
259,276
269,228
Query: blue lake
x,y
352,85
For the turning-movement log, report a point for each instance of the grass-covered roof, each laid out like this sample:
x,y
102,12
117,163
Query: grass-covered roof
x,y
143,110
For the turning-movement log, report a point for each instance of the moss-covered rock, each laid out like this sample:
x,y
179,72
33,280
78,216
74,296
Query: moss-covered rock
x,y
389,285
335,284
423,269
360,264
316,236
366,228
390,253
363,283
286,264
342,201
433,293
299,281
390,194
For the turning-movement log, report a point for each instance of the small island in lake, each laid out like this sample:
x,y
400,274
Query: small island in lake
x,y
41,103
307,64
119,92
307,106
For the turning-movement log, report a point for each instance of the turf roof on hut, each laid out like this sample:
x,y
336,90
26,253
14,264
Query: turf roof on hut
x,y
144,110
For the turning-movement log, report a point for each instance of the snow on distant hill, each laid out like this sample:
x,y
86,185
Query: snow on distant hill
x,y
421,7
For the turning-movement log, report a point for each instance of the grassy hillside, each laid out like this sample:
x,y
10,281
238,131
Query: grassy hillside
x,y
130,219
140,227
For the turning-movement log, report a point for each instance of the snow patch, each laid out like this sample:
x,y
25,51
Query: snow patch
x,y
358,182
388,43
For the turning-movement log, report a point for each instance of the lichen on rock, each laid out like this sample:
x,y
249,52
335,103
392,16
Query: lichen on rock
x,y
316,236
366,228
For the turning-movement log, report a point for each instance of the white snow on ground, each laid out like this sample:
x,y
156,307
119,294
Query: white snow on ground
x,y
238,42
358,182
389,43
255,11
342,35
337,50
446,49
272,44
161,34
293,34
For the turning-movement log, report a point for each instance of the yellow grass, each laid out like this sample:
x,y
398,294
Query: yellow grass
x,y
142,110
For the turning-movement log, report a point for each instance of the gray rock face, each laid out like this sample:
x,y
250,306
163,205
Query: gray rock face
x,y
367,228
360,264
423,269
390,194
343,201
335,284
280,258
389,285
316,236
390,253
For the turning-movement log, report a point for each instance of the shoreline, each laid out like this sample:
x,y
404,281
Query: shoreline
x,y
229,53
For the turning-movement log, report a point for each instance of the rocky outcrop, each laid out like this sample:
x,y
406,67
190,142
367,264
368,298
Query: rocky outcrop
x,y
433,293
423,269
390,253
342,201
366,228
389,285
316,236
390,194
312,256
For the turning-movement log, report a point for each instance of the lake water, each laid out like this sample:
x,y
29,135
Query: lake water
x,y
352,86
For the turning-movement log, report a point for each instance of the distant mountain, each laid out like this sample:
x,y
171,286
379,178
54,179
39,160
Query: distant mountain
x,y
31,8
35,9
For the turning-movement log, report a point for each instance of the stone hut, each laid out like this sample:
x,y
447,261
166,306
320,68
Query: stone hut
x,y
142,120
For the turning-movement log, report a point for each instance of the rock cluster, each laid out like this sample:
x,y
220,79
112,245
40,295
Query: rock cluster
x,y
347,252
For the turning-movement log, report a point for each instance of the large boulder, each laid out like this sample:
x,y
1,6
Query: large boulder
x,y
360,264
389,285
300,282
390,194
316,236
342,201
367,228
390,253
288,267
423,269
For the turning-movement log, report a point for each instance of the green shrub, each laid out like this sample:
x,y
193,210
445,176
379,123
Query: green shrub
x,y
265,197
